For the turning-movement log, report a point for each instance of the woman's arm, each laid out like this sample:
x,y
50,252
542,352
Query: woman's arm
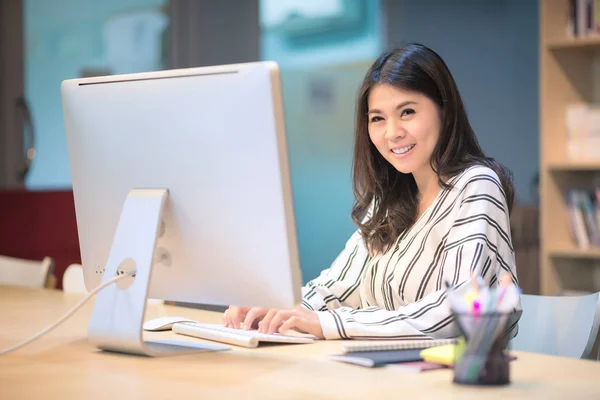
x,y
337,286
478,243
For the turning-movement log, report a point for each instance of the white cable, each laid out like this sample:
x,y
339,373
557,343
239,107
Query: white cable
x,y
68,314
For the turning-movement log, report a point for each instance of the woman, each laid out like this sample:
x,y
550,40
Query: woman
x,y
430,207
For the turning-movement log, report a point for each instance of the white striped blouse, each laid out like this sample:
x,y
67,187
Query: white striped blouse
x,y
401,294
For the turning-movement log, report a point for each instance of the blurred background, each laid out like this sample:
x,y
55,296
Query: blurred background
x,y
324,47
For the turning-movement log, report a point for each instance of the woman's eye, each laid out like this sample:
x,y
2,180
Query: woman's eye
x,y
376,119
407,111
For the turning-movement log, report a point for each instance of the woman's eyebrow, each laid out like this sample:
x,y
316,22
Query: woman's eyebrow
x,y
399,106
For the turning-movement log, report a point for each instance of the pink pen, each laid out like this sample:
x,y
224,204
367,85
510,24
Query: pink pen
x,y
476,309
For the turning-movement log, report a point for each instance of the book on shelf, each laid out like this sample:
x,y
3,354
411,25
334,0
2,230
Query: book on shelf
x,y
584,217
583,18
583,132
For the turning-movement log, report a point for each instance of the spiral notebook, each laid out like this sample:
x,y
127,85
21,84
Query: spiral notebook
x,y
395,345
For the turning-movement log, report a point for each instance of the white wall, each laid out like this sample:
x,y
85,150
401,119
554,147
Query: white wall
x,y
491,48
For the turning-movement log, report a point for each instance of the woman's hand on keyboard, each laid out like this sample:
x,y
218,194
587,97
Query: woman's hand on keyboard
x,y
234,316
298,319
243,317
270,321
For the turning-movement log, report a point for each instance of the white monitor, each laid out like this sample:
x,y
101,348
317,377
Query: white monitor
x,y
183,174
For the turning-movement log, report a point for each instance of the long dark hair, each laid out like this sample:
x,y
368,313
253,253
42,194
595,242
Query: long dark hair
x,y
412,67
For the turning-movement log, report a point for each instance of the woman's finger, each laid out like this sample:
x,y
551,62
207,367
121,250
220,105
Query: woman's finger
x,y
225,318
297,324
263,325
253,317
277,320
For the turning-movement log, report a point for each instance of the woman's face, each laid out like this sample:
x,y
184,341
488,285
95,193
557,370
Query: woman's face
x,y
404,126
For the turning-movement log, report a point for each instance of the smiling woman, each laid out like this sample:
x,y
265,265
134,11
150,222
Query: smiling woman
x,y
430,208
404,126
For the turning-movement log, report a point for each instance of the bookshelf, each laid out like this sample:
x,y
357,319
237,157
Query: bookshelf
x,y
570,251
569,73
585,43
574,166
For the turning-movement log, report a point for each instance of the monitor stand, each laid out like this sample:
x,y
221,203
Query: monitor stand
x,y
118,315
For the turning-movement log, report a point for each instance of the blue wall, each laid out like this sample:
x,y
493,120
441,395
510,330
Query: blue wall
x,y
330,48
61,38
65,36
321,140
491,48
320,78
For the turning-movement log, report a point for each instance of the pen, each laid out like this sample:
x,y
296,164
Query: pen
x,y
476,309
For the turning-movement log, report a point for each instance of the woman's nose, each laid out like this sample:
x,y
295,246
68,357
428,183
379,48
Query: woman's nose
x,y
394,130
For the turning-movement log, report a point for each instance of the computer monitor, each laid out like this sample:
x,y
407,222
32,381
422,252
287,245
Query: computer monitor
x,y
184,175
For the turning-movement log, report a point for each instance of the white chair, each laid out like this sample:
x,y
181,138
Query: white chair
x,y
29,273
73,279
558,325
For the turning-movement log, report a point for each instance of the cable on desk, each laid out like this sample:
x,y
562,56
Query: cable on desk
x,y
68,314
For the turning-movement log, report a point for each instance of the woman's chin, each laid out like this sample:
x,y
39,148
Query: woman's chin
x,y
410,168
403,168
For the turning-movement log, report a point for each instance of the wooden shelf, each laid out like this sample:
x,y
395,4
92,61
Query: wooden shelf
x,y
570,251
588,42
568,75
574,166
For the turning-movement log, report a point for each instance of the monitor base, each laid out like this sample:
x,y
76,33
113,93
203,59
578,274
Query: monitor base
x,y
117,320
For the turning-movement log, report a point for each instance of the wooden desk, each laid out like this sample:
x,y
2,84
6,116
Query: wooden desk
x,y
63,365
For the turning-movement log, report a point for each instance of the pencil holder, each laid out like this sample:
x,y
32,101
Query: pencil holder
x,y
483,358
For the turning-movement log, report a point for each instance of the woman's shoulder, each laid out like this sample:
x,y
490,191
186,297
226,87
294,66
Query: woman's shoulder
x,y
476,176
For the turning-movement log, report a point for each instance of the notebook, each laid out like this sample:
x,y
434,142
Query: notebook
x,y
378,358
395,345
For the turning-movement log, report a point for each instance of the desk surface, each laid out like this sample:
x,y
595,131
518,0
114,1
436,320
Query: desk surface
x,y
64,365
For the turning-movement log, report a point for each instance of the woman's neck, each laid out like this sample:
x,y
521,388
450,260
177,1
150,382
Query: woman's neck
x,y
429,187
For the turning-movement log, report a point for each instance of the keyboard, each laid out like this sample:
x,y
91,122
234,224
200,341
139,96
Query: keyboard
x,y
238,337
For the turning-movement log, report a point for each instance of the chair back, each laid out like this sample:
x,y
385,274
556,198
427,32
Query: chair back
x,y
558,325
73,281
29,273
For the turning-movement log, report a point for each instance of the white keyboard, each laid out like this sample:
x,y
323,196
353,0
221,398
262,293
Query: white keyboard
x,y
238,337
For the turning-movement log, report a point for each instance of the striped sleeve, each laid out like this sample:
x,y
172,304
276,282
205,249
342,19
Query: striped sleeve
x,y
478,241
338,285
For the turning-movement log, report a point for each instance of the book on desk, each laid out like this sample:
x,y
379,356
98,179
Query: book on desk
x,y
376,354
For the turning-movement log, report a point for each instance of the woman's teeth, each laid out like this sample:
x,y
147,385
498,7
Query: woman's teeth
x,y
403,149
